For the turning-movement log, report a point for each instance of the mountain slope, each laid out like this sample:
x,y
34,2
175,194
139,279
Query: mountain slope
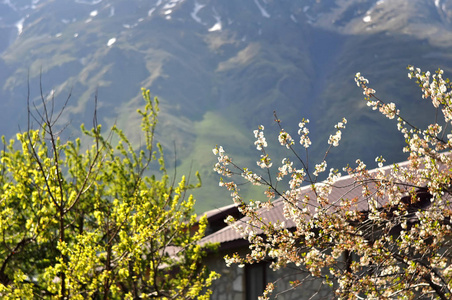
x,y
220,68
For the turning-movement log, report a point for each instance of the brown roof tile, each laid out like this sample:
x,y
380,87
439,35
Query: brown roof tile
x,y
345,187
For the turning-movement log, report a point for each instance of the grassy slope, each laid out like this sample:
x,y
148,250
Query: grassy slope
x,y
227,132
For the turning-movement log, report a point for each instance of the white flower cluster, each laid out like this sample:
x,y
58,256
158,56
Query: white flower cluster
x,y
251,177
285,169
389,110
285,139
380,160
334,139
373,104
303,133
363,82
265,162
438,89
260,142
319,168
361,165
235,259
297,179
223,160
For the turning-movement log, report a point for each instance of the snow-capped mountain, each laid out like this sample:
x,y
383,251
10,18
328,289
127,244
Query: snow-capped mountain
x,y
221,67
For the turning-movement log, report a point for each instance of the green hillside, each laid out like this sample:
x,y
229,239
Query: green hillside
x,y
222,70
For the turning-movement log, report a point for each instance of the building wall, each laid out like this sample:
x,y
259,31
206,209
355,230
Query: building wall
x,y
232,285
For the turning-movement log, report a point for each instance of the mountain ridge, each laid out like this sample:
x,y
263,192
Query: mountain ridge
x,y
221,68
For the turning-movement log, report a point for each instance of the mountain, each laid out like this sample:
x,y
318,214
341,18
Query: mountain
x,y
220,68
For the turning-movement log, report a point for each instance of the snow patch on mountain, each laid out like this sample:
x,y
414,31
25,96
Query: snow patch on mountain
x,y
111,42
310,18
217,26
171,4
168,8
20,26
20,7
368,18
378,3
264,13
92,2
440,5
194,13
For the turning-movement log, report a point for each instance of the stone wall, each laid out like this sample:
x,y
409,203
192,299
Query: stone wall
x,y
232,284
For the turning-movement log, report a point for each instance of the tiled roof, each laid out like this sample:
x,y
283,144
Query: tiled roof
x,y
220,210
229,234
345,187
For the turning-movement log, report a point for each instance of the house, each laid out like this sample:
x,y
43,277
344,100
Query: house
x,y
248,282
244,282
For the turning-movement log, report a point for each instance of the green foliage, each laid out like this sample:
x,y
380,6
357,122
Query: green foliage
x,y
88,224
